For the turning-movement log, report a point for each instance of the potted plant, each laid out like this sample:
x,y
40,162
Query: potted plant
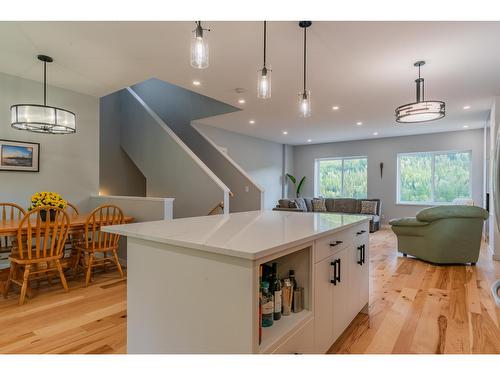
x,y
294,181
47,199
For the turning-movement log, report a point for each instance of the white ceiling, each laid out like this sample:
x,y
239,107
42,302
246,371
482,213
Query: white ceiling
x,y
366,68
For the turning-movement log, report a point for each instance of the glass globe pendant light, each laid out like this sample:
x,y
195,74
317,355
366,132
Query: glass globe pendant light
x,y
421,110
264,75
305,95
43,118
199,48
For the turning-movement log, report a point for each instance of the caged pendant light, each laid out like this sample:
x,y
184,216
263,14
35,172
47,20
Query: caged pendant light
x,y
305,95
43,118
199,48
264,75
421,110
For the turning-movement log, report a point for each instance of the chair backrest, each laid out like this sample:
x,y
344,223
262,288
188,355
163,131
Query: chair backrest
x,y
103,215
11,211
72,209
37,239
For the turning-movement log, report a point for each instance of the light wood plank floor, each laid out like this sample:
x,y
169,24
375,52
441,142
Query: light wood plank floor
x,y
415,307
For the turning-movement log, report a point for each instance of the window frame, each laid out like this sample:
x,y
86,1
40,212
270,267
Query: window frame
x,y
343,158
433,183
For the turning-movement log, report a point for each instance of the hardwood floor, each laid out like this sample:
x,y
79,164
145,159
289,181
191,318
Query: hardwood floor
x,y
86,320
415,307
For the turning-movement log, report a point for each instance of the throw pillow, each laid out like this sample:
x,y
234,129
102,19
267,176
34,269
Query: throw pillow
x,y
284,203
319,205
292,204
369,207
301,204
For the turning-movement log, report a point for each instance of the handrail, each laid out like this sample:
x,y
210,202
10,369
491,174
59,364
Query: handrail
x,y
213,210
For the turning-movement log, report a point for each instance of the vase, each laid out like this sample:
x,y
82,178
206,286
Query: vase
x,y
52,215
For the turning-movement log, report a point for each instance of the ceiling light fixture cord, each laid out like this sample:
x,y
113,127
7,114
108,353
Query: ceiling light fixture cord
x,y
305,43
265,34
45,83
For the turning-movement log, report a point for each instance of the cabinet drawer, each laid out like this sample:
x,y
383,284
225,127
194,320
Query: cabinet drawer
x,y
323,246
301,342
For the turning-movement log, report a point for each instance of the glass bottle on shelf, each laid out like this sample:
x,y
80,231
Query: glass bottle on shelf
x,y
291,276
267,305
276,290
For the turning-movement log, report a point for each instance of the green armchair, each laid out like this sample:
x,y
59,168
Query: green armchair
x,y
442,234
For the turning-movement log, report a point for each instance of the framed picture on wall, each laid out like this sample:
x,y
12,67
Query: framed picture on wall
x,y
19,156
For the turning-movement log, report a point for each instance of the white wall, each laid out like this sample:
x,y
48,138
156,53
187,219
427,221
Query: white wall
x,y
69,164
385,150
493,232
262,160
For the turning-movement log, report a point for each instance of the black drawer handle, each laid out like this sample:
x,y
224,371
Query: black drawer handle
x,y
334,265
336,243
360,261
360,232
338,276
363,253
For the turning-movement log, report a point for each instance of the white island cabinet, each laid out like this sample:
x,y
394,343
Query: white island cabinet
x,y
193,284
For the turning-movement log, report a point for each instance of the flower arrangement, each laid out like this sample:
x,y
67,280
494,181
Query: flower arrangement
x,y
47,198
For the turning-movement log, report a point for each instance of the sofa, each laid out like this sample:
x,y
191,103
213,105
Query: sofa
x,y
338,205
442,234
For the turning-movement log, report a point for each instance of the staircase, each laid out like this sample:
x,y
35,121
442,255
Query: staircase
x,y
177,161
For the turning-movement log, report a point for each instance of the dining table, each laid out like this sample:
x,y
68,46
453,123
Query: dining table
x,y
9,228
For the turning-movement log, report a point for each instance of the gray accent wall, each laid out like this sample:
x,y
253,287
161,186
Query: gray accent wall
x,y
118,175
261,159
385,150
178,107
69,164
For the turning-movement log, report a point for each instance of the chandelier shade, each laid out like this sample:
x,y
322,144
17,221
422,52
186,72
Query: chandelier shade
x,y
40,118
422,110
199,48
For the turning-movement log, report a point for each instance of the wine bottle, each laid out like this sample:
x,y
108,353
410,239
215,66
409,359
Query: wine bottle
x,y
267,305
260,304
276,290
291,276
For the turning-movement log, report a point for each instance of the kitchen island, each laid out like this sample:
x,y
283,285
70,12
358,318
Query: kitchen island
x,y
193,283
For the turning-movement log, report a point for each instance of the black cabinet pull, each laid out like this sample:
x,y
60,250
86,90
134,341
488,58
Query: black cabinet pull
x,y
360,232
334,265
336,243
360,261
338,276
364,248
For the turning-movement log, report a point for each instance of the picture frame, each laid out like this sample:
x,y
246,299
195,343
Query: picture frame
x,y
17,156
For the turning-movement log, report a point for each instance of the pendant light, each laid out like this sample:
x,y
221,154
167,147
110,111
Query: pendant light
x,y
43,118
305,95
199,48
264,75
421,110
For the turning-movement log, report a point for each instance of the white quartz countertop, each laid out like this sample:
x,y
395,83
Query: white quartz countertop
x,y
250,235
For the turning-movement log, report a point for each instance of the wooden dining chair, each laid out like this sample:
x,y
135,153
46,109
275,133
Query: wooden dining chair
x,y
97,242
9,212
72,209
39,249
73,237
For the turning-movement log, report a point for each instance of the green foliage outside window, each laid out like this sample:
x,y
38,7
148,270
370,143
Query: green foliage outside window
x,y
450,179
343,178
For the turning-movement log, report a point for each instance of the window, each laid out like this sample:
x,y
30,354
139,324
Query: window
x,y
434,177
341,177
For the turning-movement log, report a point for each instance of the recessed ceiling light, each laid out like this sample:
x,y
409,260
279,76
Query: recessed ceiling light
x,y
466,126
285,132
309,140
376,133
467,107
241,101
196,83
251,122
335,108
359,123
